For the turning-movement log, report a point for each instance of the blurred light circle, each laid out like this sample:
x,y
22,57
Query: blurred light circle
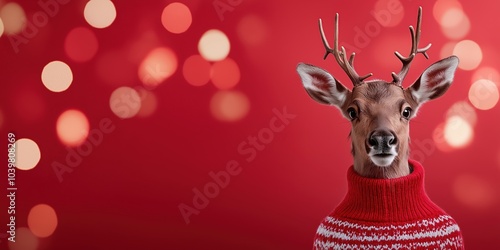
x,y
42,220
196,70
442,6
229,106
72,128
225,74
1,27
27,154
455,24
125,102
447,49
81,44
176,18
464,110
438,138
157,66
388,13
488,73
483,94
474,191
25,240
214,45
99,13
458,133
57,76
252,30
13,18
149,102
470,54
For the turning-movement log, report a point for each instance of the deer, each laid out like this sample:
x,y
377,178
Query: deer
x,y
386,206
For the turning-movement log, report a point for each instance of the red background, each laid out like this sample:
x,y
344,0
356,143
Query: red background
x,y
126,193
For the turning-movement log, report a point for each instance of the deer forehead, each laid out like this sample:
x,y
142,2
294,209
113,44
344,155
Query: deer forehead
x,y
378,97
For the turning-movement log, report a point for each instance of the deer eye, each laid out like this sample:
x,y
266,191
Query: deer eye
x,y
351,112
406,113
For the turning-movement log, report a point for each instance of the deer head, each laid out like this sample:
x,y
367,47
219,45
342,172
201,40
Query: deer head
x,y
379,111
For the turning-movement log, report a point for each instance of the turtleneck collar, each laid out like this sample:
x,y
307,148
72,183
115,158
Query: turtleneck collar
x,y
387,200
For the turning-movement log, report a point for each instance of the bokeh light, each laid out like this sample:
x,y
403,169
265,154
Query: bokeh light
x,y
438,138
13,18
196,70
81,44
125,102
388,13
72,128
225,74
483,94
488,73
229,106
214,45
99,13
458,133
252,30
1,27
57,76
455,24
470,54
27,154
157,66
474,192
176,18
442,6
447,49
464,110
149,103
42,220
25,240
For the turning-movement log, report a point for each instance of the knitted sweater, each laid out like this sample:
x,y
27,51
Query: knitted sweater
x,y
388,214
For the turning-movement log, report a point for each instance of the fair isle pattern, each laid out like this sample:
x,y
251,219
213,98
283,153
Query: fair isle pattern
x,y
434,233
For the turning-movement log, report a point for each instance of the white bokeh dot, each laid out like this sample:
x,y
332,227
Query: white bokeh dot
x,y
27,154
57,76
214,45
99,13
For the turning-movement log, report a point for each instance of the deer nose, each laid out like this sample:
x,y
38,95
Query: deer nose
x,y
382,138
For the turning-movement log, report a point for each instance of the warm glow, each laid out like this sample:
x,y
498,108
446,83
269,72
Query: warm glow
x,y
488,73
442,6
458,133
214,45
28,154
42,220
72,128
252,30
438,138
176,18
196,70
469,53
483,94
1,27
447,49
464,110
13,18
157,66
474,192
149,103
229,106
81,44
388,13
57,76
125,102
225,74
99,13
25,240
455,24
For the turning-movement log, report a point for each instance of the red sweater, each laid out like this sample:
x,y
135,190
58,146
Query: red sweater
x,y
388,214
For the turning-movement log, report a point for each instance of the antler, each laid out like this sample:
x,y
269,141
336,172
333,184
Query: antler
x,y
415,38
340,56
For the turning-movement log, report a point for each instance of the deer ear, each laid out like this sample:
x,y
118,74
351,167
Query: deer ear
x,y
435,80
321,86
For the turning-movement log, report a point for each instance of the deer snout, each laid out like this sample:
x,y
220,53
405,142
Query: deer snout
x,y
382,140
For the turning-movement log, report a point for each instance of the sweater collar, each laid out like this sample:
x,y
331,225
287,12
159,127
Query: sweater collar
x,y
387,200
